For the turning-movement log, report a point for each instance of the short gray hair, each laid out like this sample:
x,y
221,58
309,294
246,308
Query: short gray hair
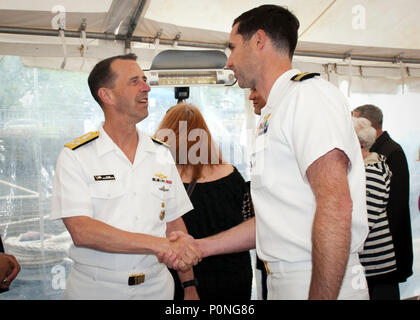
x,y
365,132
372,113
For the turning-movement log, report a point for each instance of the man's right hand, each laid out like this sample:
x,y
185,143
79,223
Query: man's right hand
x,y
184,252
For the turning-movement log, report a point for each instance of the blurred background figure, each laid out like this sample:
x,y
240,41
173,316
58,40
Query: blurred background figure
x,y
378,255
257,101
218,193
398,208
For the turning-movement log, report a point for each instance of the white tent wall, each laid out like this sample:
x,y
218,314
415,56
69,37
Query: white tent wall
x,y
361,27
370,49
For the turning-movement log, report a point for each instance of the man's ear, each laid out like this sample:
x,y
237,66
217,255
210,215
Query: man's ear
x,y
260,38
105,95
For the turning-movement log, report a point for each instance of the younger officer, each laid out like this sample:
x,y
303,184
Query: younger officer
x,y
307,169
118,193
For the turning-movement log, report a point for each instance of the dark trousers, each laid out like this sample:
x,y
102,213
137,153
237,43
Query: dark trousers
x,y
383,291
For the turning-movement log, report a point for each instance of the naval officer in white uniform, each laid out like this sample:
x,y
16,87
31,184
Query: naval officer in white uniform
x,y
118,192
307,176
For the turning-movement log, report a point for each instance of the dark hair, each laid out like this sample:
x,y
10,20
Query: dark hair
x,y
372,113
279,23
102,75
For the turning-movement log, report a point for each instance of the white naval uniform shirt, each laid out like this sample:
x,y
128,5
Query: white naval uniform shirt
x,y
301,122
131,200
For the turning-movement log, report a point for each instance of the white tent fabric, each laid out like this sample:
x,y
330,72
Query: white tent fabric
x,y
333,29
322,21
373,33
382,28
355,22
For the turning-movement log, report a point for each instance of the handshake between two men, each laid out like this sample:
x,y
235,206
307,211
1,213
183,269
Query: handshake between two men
x,y
185,251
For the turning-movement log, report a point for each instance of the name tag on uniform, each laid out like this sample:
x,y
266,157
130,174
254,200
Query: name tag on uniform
x,y
104,177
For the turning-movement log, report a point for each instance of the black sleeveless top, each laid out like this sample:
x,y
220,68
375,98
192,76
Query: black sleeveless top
x,y
218,207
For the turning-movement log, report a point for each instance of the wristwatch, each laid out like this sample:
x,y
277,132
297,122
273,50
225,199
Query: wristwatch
x,y
189,283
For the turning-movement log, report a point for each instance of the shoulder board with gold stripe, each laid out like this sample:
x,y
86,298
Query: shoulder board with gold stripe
x,y
86,138
304,75
159,142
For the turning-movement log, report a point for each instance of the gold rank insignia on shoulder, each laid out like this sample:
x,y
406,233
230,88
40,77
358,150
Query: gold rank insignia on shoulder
x,y
304,75
86,138
159,142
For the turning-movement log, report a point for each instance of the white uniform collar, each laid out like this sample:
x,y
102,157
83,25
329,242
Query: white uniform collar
x,y
104,143
277,90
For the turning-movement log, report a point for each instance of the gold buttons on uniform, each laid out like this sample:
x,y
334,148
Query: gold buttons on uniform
x,y
162,214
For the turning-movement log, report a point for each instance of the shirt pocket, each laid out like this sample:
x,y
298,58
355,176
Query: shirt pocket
x,y
162,191
161,200
106,190
108,202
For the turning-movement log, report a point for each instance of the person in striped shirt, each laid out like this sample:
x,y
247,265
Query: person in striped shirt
x,y
378,254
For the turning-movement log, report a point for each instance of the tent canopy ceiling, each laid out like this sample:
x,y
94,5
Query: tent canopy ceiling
x,y
361,28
